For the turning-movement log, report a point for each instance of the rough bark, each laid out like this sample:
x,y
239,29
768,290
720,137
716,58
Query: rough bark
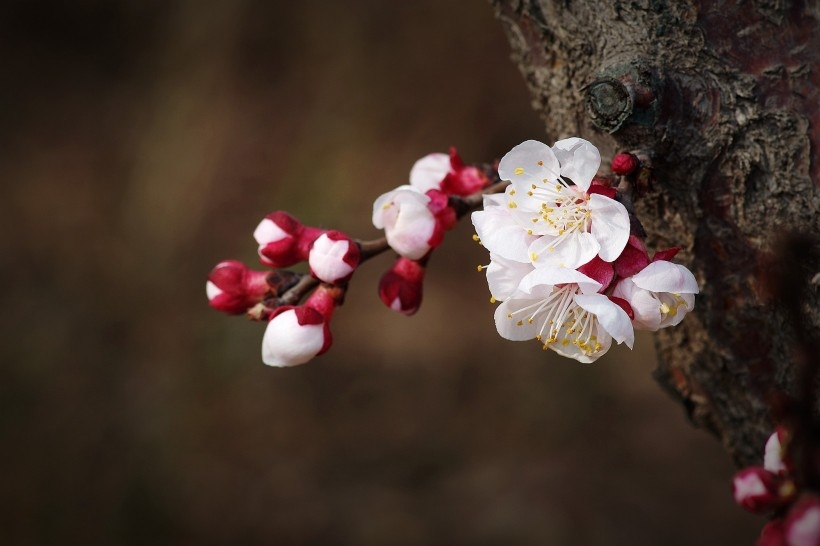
x,y
723,97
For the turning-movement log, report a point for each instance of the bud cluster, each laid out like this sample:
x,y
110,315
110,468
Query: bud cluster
x,y
415,217
772,489
295,333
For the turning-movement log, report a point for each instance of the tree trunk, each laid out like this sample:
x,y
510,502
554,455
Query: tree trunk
x,y
723,99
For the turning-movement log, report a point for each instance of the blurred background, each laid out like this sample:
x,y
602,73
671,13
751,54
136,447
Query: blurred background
x,y
140,143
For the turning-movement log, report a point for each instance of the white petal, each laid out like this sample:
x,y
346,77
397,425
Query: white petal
x,y
429,171
676,307
384,202
663,276
610,226
504,276
501,234
287,343
509,328
521,164
551,276
773,456
268,232
570,250
645,306
610,316
570,350
326,259
212,290
579,160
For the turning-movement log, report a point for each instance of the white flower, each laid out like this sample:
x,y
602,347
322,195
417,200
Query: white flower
x,y
571,224
499,232
294,336
333,257
660,294
407,221
562,309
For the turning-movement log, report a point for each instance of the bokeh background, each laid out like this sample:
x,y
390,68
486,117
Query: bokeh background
x,y
140,143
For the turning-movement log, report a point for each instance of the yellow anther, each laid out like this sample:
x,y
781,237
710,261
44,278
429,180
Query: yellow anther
x,y
480,268
540,163
565,342
509,315
551,249
476,238
533,256
529,232
492,299
664,308
520,323
519,170
512,205
529,321
529,193
512,192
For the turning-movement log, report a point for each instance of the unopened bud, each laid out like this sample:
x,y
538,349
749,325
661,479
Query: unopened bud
x,y
625,163
233,288
333,257
773,534
400,288
278,236
756,489
294,336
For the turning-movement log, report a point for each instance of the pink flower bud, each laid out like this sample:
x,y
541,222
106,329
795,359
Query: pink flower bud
x,y
773,534
294,336
233,288
446,173
278,235
400,288
625,163
333,257
462,180
803,522
408,223
756,489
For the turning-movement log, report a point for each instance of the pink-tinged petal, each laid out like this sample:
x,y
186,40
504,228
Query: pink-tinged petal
x,y
601,271
633,258
552,276
501,234
530,161
504,276
645,306
610,316
512,328
664,276
803,522
570,250
407,221
610,226
429,172
579,160
293,338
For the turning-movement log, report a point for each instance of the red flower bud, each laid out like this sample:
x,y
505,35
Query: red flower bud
x,y
401,287
802,524
757,490
233,288
625,163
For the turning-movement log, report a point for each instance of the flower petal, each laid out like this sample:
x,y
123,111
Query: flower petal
x,y
504,276
511,328
610,316
428,172
610,226
570,250
551,276
501,234
579,160
530,161
662,276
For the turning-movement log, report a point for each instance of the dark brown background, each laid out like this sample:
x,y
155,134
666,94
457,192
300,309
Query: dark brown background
x,y
140,143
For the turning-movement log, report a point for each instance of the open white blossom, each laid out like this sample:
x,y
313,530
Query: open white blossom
x,y
550,200
660,294
562,309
